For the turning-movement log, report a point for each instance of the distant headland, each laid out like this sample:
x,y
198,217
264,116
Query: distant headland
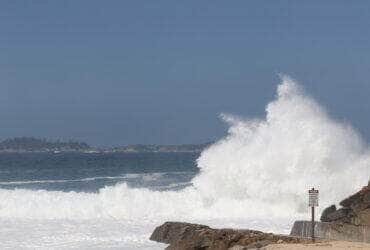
x,y
36,145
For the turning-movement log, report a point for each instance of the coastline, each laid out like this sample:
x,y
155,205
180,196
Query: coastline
x,y
185,236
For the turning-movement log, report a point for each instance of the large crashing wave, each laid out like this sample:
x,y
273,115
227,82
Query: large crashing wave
x,y
276,160
261,168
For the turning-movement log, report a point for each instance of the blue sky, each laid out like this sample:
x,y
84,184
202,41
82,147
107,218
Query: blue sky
x,y
122,72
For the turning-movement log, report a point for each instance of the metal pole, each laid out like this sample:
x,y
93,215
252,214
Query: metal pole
x,y
313,223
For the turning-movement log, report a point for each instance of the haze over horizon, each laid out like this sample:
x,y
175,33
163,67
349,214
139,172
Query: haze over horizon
x,y
144,72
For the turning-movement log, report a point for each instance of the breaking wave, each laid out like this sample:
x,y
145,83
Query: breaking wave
x,y
263,167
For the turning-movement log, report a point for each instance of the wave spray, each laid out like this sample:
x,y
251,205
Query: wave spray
x,y
274,161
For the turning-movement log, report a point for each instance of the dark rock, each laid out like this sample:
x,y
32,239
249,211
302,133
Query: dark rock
x,y
338,214
358,206
356,198
185,236
349,200
326,212
173,231
366,197
355,210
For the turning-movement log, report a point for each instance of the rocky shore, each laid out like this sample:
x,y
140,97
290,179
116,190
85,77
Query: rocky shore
x,y
186,236
354,210
350,222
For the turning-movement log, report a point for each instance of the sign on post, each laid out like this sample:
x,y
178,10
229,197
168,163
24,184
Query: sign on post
x,y
313,201
313,198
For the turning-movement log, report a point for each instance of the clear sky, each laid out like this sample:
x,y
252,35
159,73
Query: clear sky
x,y
122,72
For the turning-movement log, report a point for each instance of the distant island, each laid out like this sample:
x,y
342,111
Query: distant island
x,y
35,145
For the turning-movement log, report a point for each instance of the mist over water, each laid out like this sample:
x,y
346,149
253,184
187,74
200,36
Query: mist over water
x,y
261,169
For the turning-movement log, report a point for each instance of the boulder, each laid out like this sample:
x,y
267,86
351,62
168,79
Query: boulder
x,y
326,212
186,236
173,231
339,214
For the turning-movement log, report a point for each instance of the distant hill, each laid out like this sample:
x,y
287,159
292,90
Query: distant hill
x,y
31,144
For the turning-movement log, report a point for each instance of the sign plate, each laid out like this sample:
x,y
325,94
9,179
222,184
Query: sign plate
x,y
313,198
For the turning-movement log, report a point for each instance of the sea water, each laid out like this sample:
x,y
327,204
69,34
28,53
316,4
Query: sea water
x,y
256,176
56,201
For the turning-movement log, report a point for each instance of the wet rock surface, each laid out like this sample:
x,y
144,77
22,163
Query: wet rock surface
x,y
355,209
188,236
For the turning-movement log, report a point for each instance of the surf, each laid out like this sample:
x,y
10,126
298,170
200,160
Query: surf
x,y
261,168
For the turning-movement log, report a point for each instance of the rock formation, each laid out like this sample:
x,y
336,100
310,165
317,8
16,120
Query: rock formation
x,y
186,236
355,209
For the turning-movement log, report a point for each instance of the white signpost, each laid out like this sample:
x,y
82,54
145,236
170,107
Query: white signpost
x,y
313,201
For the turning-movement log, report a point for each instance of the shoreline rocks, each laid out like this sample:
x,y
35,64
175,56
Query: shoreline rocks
x,y
350,222
355,210
186,236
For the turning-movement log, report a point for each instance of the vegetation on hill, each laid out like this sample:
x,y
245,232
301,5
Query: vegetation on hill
x,y
31,144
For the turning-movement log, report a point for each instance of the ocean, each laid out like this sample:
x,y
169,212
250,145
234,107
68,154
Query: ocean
x,y
89,172
257,176
34,179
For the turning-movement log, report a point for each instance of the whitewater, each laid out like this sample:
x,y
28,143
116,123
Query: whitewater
x,y
256,177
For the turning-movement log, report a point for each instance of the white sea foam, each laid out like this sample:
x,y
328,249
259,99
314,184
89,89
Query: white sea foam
x,y
7,183
145,177
257,176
